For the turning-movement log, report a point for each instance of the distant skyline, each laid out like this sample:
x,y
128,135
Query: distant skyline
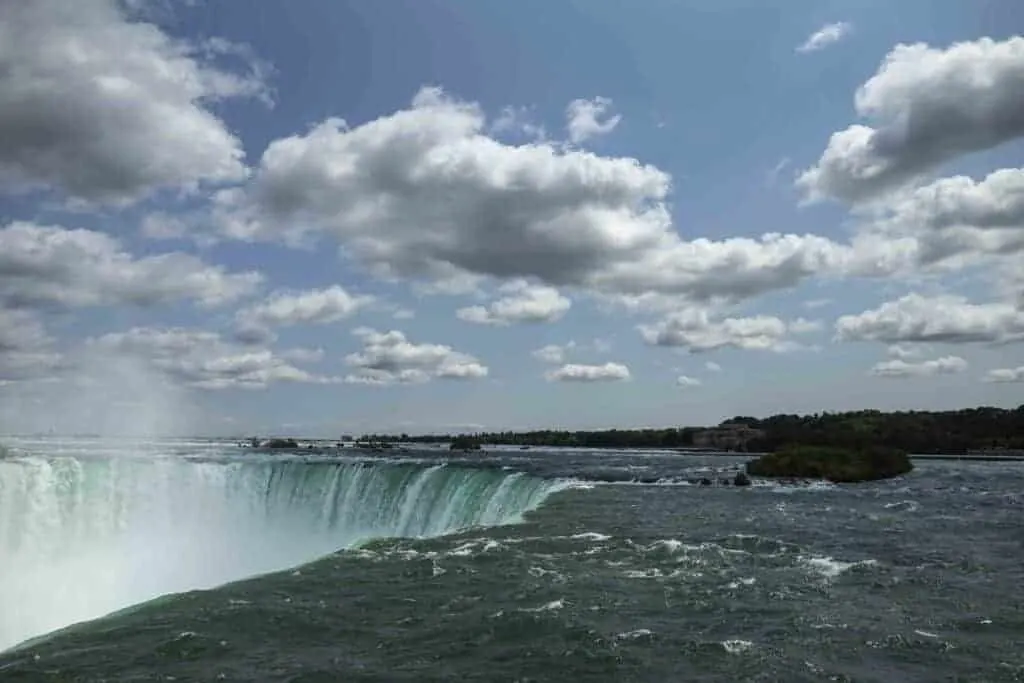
x,y
327,216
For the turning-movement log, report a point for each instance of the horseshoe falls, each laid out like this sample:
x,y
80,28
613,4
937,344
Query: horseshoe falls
x,y
84,535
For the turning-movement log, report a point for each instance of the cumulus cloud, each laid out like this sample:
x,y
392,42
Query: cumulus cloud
x,y
425,194
26,349
586,119
684,381
695,330
283,308
162,226
713,366
947,319
778,168
107,108
947,365
1012,285
828,34
804,326
518,120
553,353
1005,375
303,355
927,105
53,267
903,352
204,360
524,303
572,372
390,358
816,303
997,201
957,220
21,331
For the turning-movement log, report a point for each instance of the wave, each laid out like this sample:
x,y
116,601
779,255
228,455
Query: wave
x,y
83,537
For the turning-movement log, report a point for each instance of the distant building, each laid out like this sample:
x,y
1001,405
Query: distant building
x,y
727,436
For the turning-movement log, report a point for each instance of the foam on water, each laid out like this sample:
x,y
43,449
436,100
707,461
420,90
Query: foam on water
x,y
736,646
83,536
830,568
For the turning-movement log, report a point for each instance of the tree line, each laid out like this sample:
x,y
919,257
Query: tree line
x,y
925,432
953,431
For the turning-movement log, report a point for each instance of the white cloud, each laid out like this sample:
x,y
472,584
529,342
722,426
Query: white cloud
x,y
424,194
995,202
284,308
816,303
49,266
957,220
1005,375
525,303
1014,286
828,34
685,381
203,360
389,358
586,119
553,353
572,372
518,120
947,319
303,355
929,105
163,226
804,326
903,352
777,169
107,108
697,331
947,365
21,331
712,366
25,347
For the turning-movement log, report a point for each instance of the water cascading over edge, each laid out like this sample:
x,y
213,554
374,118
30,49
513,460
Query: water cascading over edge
x,y
82,537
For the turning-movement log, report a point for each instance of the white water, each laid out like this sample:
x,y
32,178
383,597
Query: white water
x,y
81,537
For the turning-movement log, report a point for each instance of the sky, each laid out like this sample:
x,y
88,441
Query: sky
x,y
325,216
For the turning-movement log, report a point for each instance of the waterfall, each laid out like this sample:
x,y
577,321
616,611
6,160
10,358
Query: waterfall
x,y
81,537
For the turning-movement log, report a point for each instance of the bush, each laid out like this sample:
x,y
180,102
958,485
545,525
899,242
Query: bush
x,y
281,443
834,464
464,443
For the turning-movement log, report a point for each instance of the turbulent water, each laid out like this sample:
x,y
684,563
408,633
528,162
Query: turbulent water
x,y
508,566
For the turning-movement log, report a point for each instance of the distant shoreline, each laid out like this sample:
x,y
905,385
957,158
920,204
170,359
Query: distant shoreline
x,y
975,433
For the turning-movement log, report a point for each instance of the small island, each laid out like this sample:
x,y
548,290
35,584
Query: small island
x,y
464,443
839,465
274,444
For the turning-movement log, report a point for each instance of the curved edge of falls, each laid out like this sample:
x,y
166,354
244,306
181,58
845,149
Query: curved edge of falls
x,y
84,537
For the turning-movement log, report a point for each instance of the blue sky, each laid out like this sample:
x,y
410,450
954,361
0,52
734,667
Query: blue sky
x,y
322,216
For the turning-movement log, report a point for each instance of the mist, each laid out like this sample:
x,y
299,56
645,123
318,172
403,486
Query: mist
x,y
102,393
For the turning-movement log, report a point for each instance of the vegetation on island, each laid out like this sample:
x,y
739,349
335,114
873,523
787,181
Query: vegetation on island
x,y
280,443
464,443
838,465
953,432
